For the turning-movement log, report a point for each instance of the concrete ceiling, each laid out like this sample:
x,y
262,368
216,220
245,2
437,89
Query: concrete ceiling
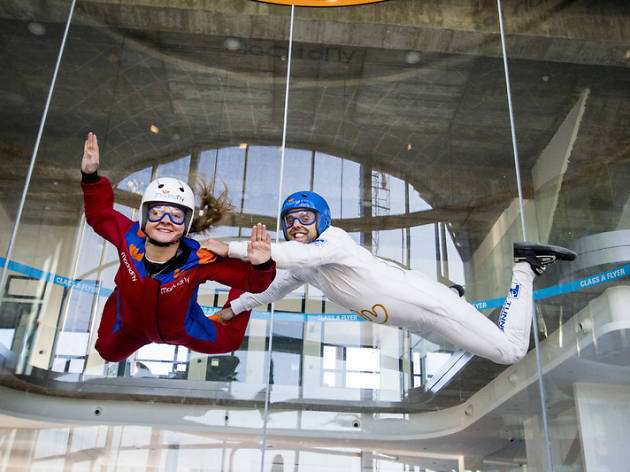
x,y
418,92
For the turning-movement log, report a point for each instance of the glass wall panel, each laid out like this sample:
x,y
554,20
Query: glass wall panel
x,y
413,133
31,37
407,116
170,90
570,83
136,448
398,116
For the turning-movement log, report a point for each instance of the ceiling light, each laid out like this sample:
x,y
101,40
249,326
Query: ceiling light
x,y
37,28
409,146
232,44
413,57
242,145
154,129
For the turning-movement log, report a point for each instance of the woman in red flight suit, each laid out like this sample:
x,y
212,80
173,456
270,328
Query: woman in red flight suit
x,y
160,271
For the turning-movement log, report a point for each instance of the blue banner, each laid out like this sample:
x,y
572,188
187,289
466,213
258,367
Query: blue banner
x,y
89,287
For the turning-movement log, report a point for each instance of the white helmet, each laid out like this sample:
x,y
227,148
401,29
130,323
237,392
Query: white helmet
x,y
169,191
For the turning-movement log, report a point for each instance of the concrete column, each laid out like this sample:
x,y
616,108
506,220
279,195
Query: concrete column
x,y
255,373
551,165
311,355
535,446
197,368
603,416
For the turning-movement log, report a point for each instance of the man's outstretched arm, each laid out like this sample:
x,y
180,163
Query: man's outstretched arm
x,y
257,251
284,283
329,247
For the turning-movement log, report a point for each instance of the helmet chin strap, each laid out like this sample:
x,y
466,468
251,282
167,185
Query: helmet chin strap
x,y
159,243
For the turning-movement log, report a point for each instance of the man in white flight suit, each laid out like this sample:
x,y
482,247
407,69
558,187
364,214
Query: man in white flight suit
x,y
349,275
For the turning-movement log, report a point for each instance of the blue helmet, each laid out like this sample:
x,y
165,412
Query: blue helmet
x,y
306,199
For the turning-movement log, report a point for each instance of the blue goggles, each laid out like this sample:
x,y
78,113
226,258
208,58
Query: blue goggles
x,y
304,216
175,214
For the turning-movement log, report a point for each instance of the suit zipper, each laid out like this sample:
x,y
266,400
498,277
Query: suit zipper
x,y
157,312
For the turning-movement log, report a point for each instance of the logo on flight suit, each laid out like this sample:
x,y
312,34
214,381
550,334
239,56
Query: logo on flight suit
x,y
179,283
512,294
132,274
378,314
514,291
135,252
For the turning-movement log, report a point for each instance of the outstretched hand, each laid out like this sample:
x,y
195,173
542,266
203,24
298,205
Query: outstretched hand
x,y
226,314
259,248
90,162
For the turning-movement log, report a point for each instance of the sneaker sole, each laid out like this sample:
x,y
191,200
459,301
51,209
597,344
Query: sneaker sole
x,y
549,252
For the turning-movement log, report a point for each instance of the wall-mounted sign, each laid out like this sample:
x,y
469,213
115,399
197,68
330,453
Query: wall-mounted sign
x,y
321,3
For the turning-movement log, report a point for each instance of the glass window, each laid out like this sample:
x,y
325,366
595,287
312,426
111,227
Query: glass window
x,y
136,182
416,202
297,171
327,181
263,174
230,169
423,250
179,169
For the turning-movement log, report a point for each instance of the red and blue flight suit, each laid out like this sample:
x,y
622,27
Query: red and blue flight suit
x,y
163,308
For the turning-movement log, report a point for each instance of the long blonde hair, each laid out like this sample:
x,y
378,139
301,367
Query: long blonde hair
x,y
212,208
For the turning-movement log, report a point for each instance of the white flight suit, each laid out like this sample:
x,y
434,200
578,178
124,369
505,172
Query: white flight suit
x,y
383,293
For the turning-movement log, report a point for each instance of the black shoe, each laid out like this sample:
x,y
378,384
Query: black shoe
x,y
539,256
457,288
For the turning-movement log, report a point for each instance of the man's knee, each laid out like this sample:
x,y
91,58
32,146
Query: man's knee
x,y
512,356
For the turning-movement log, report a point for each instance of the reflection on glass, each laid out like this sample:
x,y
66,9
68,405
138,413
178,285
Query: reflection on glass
x,y
130,87
569,107
356,189
398,117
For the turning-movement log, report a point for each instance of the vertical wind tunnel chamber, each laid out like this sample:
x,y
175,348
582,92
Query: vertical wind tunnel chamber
x,y
434,130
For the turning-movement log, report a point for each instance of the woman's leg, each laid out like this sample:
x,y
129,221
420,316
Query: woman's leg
x,y
112,344
117,346
229,336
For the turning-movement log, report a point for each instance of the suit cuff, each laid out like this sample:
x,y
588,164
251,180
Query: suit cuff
x,y
264,266
237,306
90,178
238,250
